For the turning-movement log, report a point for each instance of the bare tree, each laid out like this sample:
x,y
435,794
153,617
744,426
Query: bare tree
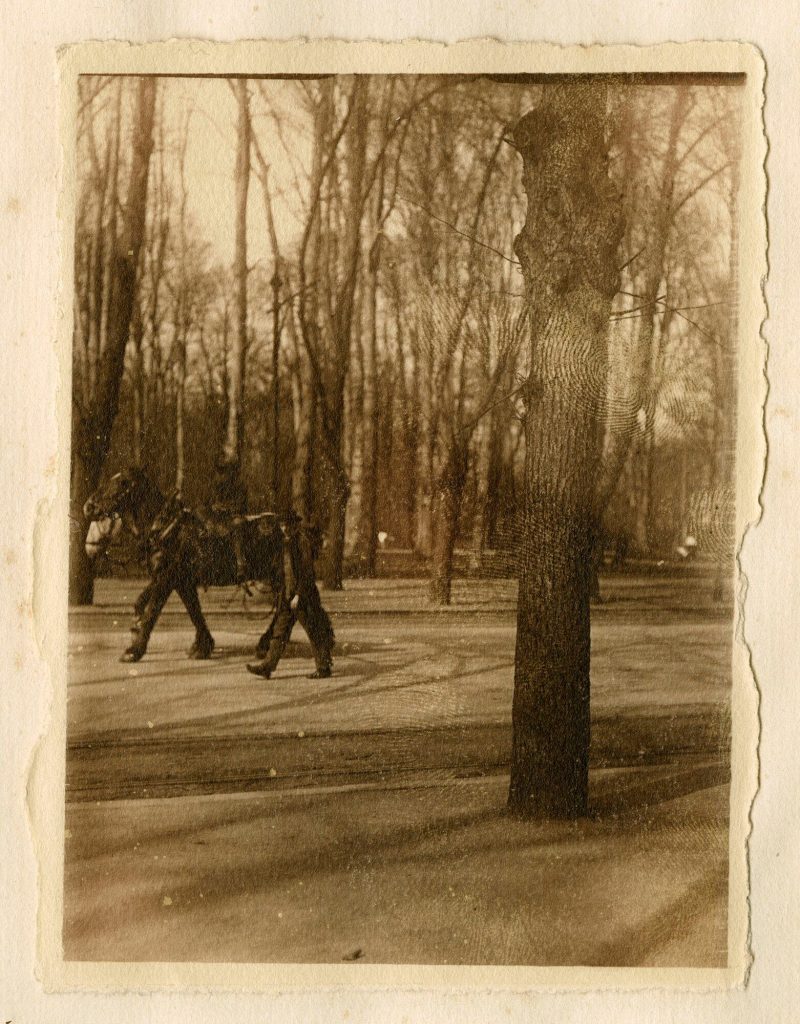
x,y
475,346
104,310
654,221
234,433
182,314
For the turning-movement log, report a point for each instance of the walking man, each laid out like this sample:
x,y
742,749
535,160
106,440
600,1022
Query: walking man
x,y
298,599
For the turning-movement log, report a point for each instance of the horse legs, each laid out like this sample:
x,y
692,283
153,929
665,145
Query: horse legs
x,y
203,640
148,608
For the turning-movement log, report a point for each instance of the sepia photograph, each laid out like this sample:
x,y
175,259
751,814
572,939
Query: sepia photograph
x,y
405,498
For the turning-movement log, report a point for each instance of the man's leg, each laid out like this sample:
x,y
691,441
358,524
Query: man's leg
x,y
281,631
315,621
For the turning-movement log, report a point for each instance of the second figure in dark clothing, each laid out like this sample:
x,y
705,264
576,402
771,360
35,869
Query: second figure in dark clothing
x,y
228,510
299,600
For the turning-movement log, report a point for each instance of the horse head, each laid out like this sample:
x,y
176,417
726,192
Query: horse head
x,y
127,499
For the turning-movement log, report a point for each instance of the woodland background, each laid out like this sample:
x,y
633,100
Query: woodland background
x,y
356,332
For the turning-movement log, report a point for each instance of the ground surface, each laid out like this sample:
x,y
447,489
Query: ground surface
x,y
215,816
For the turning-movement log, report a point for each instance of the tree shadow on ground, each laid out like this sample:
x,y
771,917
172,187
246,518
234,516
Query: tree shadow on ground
x,y
634,793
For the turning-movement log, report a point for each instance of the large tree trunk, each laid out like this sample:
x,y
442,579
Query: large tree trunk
x,y
568,250
234,433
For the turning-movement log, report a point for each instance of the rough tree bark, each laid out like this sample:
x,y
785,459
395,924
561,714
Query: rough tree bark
x,y
92,424
568,250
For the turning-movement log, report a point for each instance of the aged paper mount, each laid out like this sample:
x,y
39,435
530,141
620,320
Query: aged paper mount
x,y
46,788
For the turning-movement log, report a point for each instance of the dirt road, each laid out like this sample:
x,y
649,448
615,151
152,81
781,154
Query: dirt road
x,y
212,815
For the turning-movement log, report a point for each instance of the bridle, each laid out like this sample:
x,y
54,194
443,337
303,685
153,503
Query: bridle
x,y
97,510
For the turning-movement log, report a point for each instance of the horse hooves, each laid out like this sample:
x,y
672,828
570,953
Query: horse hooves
x,y
321,673
201,652
132,654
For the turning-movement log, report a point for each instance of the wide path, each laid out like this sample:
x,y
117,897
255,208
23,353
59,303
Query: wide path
x,y
215,816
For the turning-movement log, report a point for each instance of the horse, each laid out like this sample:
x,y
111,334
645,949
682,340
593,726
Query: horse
x,y
181,551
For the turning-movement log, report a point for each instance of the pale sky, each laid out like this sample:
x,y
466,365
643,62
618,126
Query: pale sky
x,y
211,155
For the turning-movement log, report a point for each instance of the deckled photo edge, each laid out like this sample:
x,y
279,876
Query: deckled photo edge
x,y
46,780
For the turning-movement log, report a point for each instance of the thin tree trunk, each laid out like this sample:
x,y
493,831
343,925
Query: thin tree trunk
x,y
724,460
644,469
234,433
180,414
482,470
276,284
276,401
425,470
333,576
341,329
368,526
354,439
568,250
625,409
305,417
409,418
445,514
138,386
